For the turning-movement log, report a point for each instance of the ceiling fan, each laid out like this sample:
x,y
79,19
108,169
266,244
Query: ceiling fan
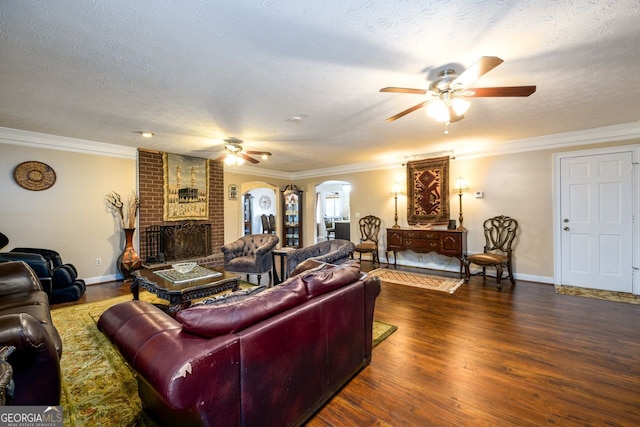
x,y
446,96
233,153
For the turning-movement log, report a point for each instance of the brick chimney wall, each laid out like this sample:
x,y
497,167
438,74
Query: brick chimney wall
x,y
151,183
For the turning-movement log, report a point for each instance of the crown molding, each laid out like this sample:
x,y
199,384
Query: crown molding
x,y
54,142
615,133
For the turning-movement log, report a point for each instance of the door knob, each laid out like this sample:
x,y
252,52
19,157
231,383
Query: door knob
x,y
566,220
566,229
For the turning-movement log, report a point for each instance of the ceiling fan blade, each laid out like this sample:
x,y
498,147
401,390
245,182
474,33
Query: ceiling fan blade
x,y
405,112
248,158
403,90
475,71
259,153
479,92
221,158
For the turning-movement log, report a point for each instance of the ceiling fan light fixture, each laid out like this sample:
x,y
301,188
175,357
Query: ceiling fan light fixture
x,y
438,111
460,106
233,159
265,156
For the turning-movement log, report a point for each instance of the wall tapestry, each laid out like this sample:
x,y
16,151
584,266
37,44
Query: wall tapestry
x,y
186,187
428,191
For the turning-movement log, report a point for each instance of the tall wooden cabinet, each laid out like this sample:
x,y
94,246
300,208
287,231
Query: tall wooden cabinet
x,y
292,218
248,214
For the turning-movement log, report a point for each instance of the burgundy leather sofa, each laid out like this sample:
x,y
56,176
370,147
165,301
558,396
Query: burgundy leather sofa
x,y
270,359
25,323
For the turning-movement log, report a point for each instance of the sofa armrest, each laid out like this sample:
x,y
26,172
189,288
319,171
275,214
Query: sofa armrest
x,y
372,289
182,370
35,362
232,250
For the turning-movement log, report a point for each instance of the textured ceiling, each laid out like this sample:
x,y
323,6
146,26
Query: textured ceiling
x,y
197,72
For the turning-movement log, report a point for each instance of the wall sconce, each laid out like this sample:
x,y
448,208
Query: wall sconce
x,y
395,191
461,184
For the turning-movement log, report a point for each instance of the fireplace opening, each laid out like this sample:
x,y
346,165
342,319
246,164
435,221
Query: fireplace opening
x,y
165,243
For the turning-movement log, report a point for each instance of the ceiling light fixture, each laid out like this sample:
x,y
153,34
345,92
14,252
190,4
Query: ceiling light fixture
x,y
440,109
146,134
233,159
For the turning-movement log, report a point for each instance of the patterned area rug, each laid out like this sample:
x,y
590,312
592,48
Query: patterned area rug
x,y
98,387
597,293
381,331
425,281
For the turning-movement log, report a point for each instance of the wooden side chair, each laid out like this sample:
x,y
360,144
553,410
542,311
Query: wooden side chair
x,y
265,224
499,233
330,227
369,232
272,224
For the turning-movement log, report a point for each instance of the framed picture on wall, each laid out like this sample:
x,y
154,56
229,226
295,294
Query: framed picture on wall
x,y
186,187
233,192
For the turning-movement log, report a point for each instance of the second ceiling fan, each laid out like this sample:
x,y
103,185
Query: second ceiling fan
x,y
446,96
233,153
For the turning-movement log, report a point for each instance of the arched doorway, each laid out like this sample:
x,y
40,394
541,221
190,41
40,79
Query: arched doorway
x,y
259,199
333,210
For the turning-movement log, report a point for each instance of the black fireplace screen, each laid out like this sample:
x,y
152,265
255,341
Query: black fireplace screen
x,y
177,242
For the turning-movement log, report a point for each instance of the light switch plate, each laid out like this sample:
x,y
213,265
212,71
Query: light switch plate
x,y
479,194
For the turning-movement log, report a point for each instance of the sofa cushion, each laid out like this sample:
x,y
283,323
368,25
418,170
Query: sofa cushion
x,y
232,297
322,281
309,265
215,320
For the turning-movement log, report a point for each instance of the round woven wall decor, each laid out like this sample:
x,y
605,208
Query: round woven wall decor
x,y
34,176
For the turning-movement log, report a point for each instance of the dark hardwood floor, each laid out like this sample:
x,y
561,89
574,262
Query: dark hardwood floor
x,y
523,356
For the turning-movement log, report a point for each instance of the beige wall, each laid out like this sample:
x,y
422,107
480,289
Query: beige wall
x,y
70,217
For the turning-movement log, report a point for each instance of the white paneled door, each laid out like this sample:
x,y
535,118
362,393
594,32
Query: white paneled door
x,y
596,205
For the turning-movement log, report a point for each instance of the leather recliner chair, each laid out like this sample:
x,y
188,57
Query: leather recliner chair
x,y
26,324
59,280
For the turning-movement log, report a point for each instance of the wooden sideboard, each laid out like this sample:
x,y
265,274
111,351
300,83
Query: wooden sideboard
x,y
451,243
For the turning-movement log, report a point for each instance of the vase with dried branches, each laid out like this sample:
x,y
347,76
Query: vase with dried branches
x,y
127,212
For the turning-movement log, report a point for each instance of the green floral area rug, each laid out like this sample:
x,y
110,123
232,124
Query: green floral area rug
x,y
98,387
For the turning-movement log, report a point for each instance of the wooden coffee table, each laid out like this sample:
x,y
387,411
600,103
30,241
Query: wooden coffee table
x,y
181,293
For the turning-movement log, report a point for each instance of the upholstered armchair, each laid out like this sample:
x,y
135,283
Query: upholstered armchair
x,y
58,279
250,255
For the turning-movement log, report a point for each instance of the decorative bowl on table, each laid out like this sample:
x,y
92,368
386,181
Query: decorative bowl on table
x,y
184,267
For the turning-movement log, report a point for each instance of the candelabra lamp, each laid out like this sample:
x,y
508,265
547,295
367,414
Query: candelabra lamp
x,y
461,184
395,191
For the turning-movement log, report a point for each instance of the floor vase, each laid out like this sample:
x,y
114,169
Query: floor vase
x,y
129,260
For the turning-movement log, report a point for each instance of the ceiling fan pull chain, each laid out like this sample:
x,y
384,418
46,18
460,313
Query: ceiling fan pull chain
x,y
446,128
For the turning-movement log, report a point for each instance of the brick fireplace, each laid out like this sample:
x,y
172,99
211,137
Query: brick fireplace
x,y
186,235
